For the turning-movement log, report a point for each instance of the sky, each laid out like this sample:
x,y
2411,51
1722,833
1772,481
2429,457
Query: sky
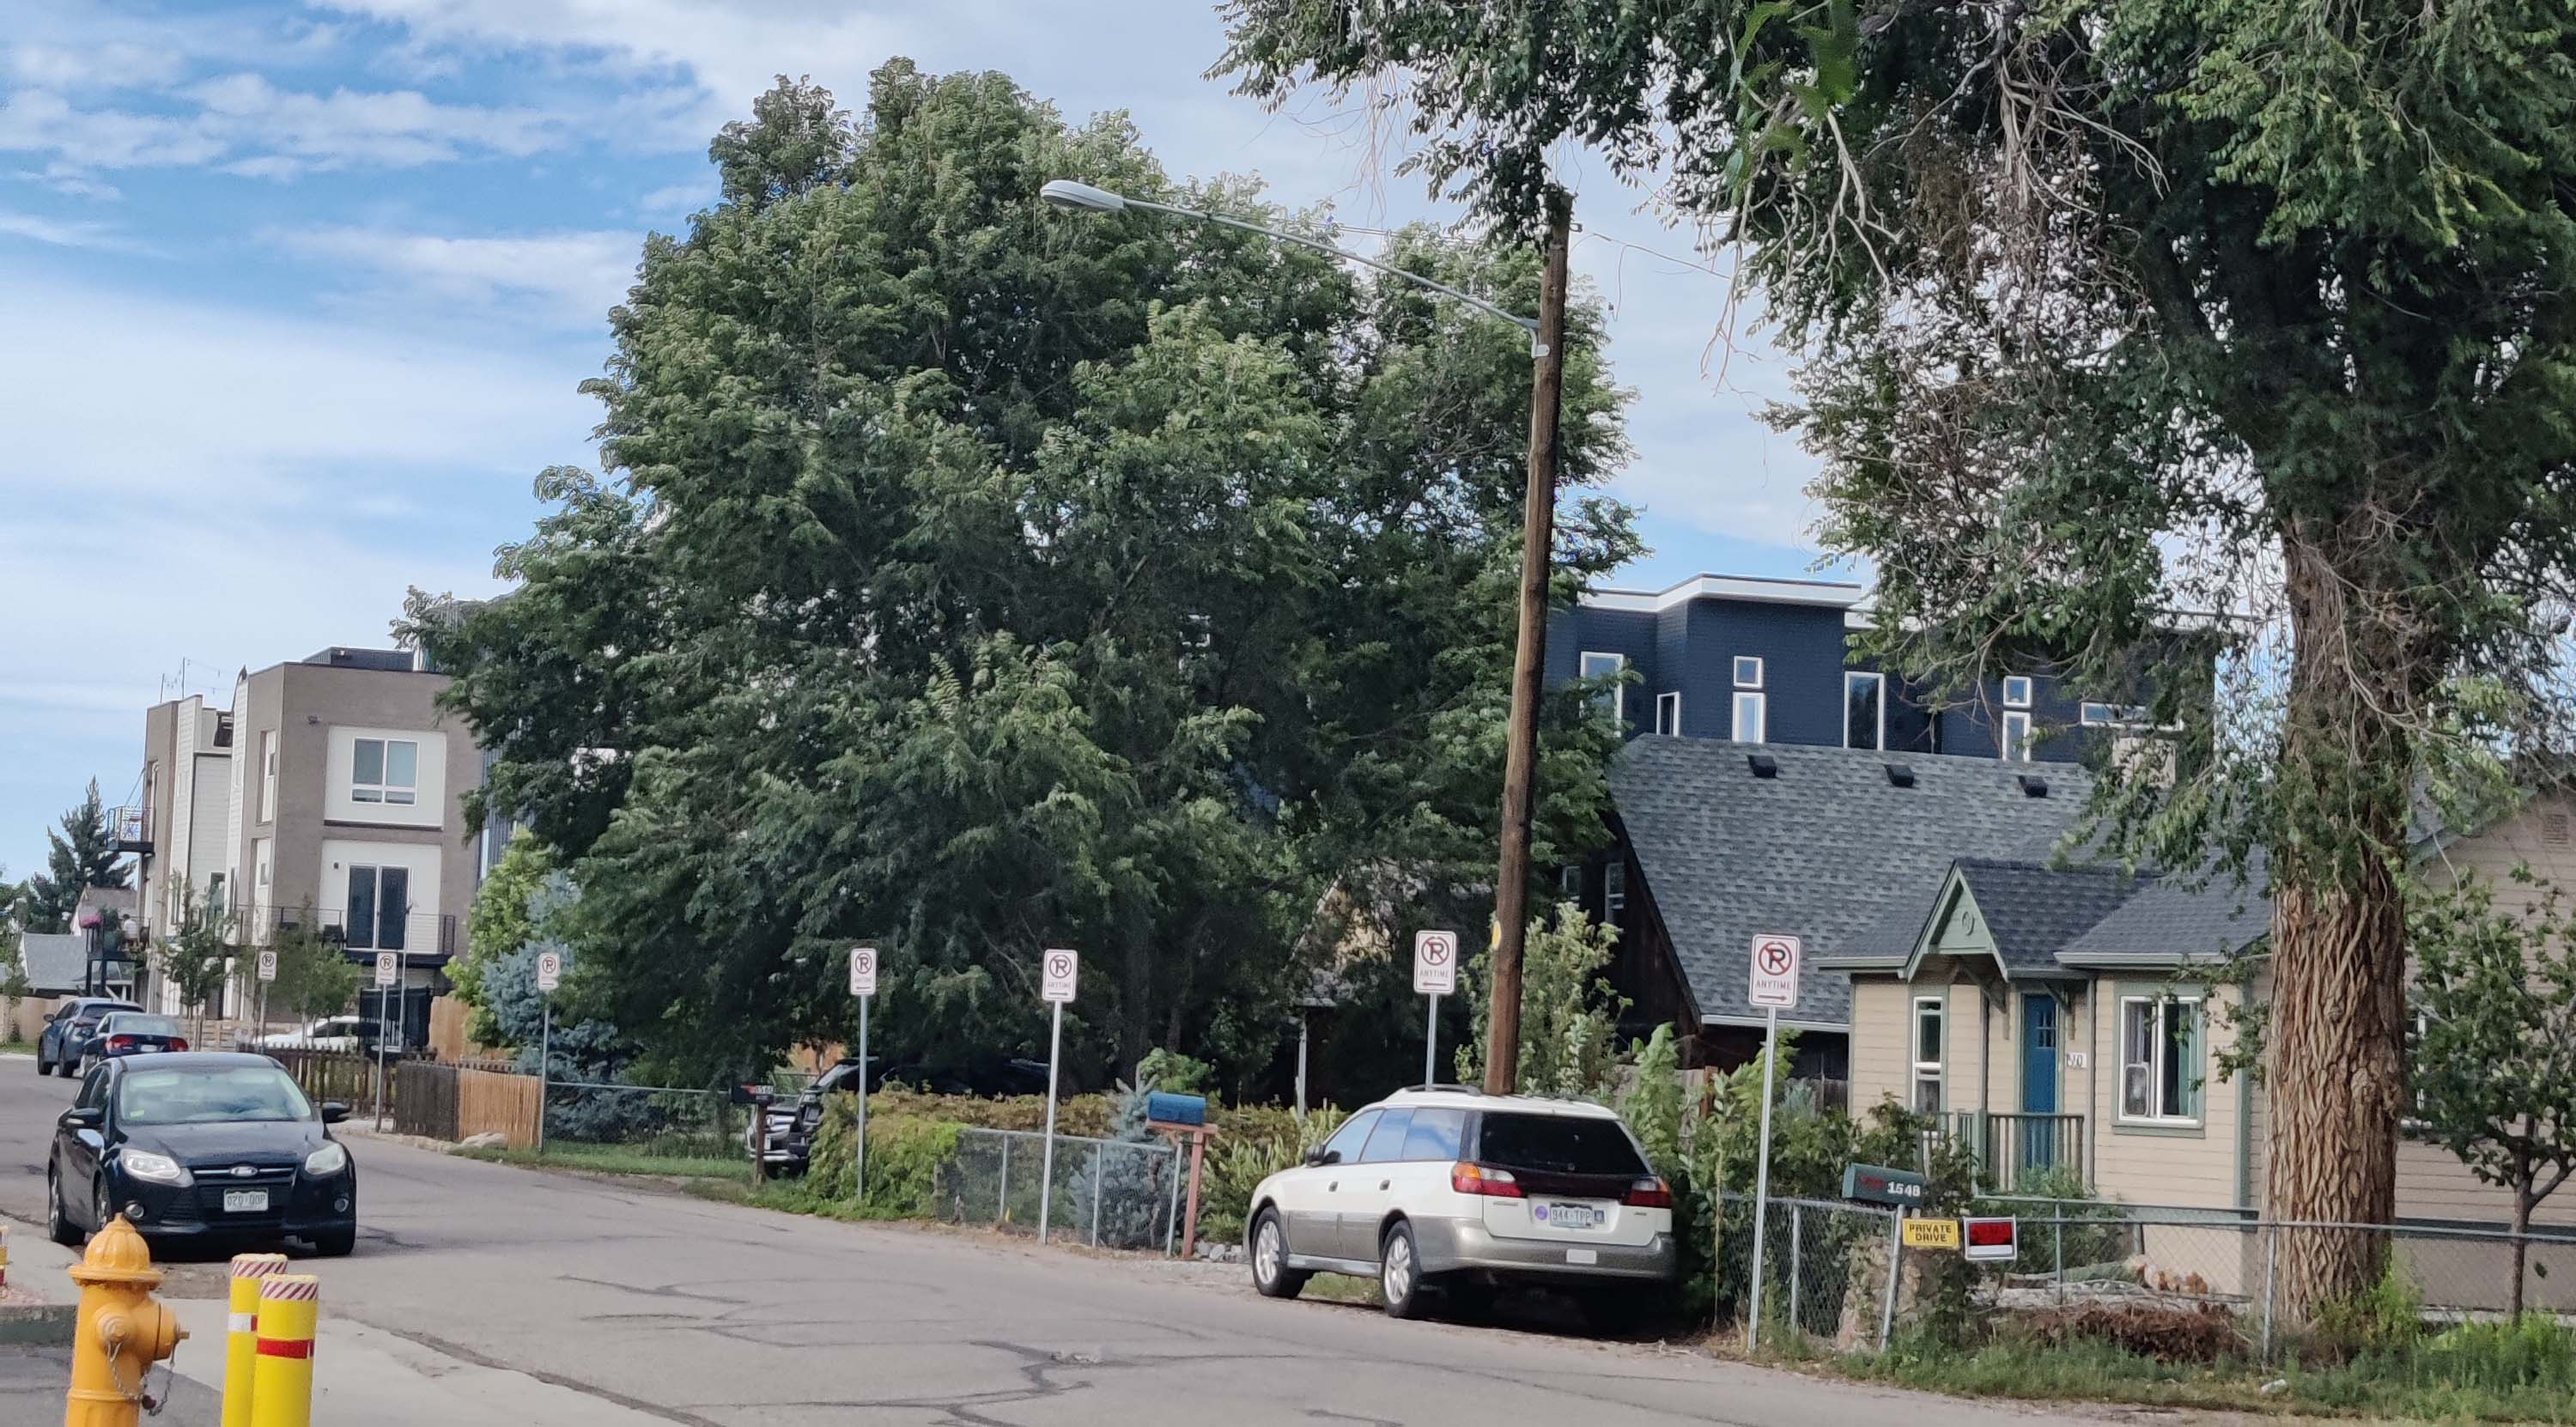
x,y
295,298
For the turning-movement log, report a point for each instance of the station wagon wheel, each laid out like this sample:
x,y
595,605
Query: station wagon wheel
x,y
1270,1271
100,1210
58,1225
1399,1273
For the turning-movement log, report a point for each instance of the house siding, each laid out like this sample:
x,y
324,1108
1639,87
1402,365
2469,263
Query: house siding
x,y
1880,1053
2145,1164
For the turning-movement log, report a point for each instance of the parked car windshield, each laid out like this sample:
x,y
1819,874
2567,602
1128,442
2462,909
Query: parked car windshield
x,y
129,1024
194,1097
1563,1144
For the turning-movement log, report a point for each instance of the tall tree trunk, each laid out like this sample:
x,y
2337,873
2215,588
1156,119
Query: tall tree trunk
x,y
2338,931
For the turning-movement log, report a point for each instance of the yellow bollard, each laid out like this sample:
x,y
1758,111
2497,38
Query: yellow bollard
x,y
4,1256
241,1332
290,1305
122,1330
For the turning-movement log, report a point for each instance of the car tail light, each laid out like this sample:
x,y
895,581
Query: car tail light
x,y
120,1042
1648,1194
1479,1179
178,1043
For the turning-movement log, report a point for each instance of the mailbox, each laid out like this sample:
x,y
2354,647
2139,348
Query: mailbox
x,y
1167,1109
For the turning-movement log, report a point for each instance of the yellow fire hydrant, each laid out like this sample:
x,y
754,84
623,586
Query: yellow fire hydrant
x,y
122,1331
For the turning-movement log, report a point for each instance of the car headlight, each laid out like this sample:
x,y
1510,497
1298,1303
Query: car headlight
x,y
155,1168
330,1159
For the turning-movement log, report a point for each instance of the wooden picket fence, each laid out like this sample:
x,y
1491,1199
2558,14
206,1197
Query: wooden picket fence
x,y
448,1102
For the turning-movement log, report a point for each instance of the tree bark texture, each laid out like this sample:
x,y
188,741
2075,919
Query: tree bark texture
x,y
2338,931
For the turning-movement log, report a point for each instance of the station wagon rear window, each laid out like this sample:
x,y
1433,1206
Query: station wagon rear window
x,y
1561,1144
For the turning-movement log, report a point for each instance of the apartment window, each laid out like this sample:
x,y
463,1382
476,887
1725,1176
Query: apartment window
x,y
1614,891
1864,710
384,770
1928,1012
2160,1059
1752,711
1613,700
1668,713
1569,882
268,775
379,907
2017,691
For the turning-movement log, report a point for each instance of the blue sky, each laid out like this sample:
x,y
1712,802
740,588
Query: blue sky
x,y
294,299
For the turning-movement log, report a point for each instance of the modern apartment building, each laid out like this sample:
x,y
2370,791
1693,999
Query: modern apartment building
x,y
329,794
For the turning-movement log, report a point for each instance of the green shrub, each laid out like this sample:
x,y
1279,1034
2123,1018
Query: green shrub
x,y
2530,1352
1249,1148
904,1155
2385,1319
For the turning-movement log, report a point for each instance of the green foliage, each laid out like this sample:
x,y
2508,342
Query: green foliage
x,y
2494,1079
1569,1011
1165,1069
969,578
2528,1351
1655,1106
79,855
500,921
2386,1319
904,1155
1252,1147
196,956
314,977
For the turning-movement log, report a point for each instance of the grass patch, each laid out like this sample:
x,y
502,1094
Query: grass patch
x,y
17,1047
2487,1372
610,1159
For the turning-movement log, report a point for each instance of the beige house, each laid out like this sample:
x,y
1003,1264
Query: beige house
x,y
2070,1023
333,789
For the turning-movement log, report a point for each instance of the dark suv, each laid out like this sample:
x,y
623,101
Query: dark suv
x,y
793,1123
59,1047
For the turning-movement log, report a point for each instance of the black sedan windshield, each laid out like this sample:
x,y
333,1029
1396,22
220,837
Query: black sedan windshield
x,y
125,1023
198,1097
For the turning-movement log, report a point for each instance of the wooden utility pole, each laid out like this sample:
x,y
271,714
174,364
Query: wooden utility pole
x,y
1520,765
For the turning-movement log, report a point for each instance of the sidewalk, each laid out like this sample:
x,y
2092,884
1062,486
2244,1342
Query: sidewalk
x,y
361,1374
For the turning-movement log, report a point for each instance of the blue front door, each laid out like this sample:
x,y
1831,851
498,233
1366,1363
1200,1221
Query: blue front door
x,y
2038,1079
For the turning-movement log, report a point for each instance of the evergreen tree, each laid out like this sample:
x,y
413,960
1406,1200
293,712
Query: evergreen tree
x,y
81,855
973,579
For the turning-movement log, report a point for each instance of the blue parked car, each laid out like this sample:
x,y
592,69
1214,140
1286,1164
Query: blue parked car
x,y
66,1037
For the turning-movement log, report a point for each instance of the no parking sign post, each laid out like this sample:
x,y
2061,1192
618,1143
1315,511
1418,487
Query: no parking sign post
x,y
1435,974
863,985
1059,969
1773,985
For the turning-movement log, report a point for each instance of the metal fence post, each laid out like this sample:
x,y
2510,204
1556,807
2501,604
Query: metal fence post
x,y
1002,1201
1895,1268
2060,1226
1797,1220
2271,1268
1099,1149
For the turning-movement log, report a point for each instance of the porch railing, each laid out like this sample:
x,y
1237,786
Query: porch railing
x,y
2012,1146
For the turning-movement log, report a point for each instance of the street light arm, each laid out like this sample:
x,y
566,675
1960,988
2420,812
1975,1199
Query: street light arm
x,y
1527,324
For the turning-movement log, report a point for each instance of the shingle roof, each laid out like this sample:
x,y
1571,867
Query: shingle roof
x,y
2034,912
1826,850
2169,917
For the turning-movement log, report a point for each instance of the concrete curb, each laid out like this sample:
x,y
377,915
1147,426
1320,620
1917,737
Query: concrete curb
x,y
38,1325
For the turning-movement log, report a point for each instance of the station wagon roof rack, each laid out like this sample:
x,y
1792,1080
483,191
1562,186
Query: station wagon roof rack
x,y
1439,1085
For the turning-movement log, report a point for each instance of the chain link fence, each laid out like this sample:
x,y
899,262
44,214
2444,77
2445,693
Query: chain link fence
x,y
1115,1194
1825,1281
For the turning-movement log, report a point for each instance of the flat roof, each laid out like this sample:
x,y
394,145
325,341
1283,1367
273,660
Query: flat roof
x,y
1833,594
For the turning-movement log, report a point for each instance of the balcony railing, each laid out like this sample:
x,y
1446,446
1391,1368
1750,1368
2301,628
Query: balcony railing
x,y
2011,1147
129,829
417,934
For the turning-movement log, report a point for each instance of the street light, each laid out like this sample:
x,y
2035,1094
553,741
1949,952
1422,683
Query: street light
x,y
1538,537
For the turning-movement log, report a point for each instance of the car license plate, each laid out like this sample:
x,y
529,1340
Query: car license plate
x,y
1567,1216
245,1201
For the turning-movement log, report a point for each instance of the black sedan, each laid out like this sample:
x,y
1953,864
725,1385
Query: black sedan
x,y
198,1145
58,1047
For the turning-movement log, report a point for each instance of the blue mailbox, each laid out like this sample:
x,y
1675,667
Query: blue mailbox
x,y
1167,1109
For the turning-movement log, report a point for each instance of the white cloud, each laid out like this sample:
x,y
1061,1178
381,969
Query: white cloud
x,y
677,199
64,232
256,128
574,277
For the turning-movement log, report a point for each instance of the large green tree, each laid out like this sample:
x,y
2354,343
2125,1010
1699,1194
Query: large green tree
x,y
2110,307
974,578
79,855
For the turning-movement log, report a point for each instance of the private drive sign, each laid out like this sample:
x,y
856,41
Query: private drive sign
x,y
1774,979
1435,963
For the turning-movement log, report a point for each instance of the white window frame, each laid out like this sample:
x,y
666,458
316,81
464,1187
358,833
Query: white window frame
x,y
268,775
2012,744
2159,1043
1880,680
1671,724
2021,700
1743,682
348,918
1619,691
385,791
2093,714
1760,705
1933,1072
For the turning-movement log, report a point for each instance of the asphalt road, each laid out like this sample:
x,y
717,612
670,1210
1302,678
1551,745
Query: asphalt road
x,y
572,1299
